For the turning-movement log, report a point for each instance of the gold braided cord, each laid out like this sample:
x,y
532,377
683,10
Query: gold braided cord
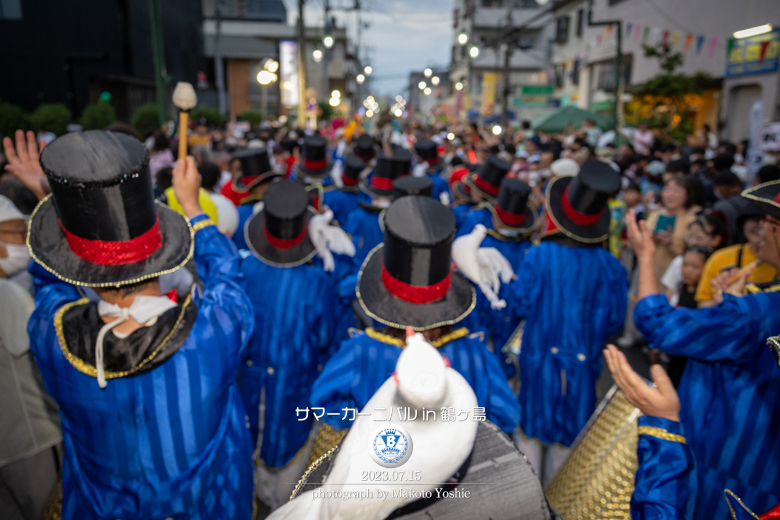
x,y
660,433
202,224
726,494
90,370
327,438
438,343
311,468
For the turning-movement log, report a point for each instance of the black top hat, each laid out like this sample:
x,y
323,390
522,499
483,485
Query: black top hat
x,y
255,168
278,235
402,161
381,183
353,167
428,151
577,205
407,281
364,148
101,225
422,186
512,208
767,197
314,157
487,181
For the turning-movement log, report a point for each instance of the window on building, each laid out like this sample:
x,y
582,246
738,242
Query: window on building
x,y
575,72
580,21
605,74
10,9
562,29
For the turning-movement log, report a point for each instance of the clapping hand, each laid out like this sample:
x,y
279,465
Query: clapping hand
x,y
661,401
640,238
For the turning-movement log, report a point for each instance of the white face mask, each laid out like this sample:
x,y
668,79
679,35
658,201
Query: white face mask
x,y
17,260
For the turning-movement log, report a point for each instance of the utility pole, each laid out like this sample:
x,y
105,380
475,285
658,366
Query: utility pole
x,y
617,108
326,55
159,61
301,68
218,66
510,45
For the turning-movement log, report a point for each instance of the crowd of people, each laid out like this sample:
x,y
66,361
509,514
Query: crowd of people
x,y
183,338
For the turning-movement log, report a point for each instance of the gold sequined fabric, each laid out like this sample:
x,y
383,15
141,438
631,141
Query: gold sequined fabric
x,y
327,438
53,509
597,480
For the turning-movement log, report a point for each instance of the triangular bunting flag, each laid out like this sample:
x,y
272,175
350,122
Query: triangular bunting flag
x,y
629,26
645,34
688,40
699,43
713,44
675,39
665,38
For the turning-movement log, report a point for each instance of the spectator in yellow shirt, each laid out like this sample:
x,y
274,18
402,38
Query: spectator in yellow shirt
x,y
736,256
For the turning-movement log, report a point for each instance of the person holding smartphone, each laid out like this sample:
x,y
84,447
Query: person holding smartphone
x,y
670,222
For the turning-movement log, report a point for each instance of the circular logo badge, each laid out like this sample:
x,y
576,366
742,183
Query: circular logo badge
x,y
390,446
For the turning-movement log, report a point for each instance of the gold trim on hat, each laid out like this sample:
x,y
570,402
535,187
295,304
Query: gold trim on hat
x,y
563,230
84,367
257,255
110,284
726,493
438,343
398,325
748,193
523,232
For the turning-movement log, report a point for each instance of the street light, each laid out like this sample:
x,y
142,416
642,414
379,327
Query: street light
x,y
450,136
334,102
335,94
427,73
474,51
753,31
360,78
369,113
497,130
422,85
427,91
328,41
435,80
271,65
265,77
458,86
368,70
398,112
317,55
463,38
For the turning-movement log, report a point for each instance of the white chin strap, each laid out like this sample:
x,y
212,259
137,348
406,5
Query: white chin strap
x,y
101,372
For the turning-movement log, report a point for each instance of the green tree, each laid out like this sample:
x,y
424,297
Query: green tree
x,y
146,119
53,117
253,117
98,116
671,90
212,116
12,118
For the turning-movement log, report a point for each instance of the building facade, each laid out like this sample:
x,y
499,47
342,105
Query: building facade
x,y
584,55
492,27
252,33
70,51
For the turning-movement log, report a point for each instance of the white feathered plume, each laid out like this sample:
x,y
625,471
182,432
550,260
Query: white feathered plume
x,y
329,239
485,266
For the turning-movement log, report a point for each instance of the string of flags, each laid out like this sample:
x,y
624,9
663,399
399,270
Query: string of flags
x,y
677,41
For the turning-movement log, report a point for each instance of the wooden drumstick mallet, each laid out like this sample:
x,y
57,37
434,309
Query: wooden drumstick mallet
x,y
185,99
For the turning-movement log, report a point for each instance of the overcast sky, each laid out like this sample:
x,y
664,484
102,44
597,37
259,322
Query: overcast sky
x,y
404,35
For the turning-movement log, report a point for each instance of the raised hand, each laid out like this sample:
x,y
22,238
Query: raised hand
x,y
24,163
186,186
640,238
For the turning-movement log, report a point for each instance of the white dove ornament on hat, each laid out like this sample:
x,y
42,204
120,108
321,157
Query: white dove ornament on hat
x,y
485,266
423,380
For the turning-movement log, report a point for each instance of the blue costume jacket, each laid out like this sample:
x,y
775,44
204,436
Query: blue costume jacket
x,y
496,323
170,442
295,313
363,225
244,212
440,184
573,299
729,393
666,477
343,202
364,363
461,211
